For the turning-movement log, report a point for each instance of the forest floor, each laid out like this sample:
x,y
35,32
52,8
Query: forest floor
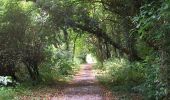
x,y
84,86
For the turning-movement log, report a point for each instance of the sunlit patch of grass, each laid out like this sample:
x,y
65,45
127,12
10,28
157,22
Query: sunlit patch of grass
x,y
6,93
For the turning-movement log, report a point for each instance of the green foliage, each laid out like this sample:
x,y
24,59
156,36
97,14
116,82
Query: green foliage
x,y
152,25
121,72
6,93
58,64
142,77
152,87
149,23
65,67
33,37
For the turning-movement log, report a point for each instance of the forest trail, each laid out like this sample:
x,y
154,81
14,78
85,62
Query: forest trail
x,y
84,86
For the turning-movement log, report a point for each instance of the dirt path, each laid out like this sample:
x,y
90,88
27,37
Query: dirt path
x,y
84,86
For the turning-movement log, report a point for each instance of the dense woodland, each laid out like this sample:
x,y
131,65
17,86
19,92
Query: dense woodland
x,y
42,41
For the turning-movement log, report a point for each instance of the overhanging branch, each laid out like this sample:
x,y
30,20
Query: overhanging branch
x,y
99,33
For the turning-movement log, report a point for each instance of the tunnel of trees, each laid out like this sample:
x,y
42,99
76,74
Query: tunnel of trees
x,y
36,35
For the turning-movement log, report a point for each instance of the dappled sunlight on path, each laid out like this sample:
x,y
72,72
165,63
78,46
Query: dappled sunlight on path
x,y
84,86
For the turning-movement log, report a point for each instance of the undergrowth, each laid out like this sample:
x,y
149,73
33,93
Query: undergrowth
x,y
122,76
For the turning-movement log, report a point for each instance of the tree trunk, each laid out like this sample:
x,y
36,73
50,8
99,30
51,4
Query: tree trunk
x,y
130,41
118,40
74,46
108,54
33,70
100,51
66,38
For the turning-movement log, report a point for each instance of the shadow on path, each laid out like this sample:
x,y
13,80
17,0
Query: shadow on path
x,y
84,86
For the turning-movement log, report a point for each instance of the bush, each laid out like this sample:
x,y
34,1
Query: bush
x,y
142,77
153,88
124,72
58,65
65,67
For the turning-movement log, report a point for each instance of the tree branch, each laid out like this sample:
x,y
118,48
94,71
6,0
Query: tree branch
x,y
100,34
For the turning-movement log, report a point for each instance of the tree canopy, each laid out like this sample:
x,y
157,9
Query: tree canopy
x,y
41,34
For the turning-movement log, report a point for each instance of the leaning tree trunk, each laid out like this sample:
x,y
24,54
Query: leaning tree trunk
x,y
130,40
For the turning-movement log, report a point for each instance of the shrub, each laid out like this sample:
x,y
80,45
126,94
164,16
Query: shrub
x,y
153,88
142,77
124,72
58,64
65,67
